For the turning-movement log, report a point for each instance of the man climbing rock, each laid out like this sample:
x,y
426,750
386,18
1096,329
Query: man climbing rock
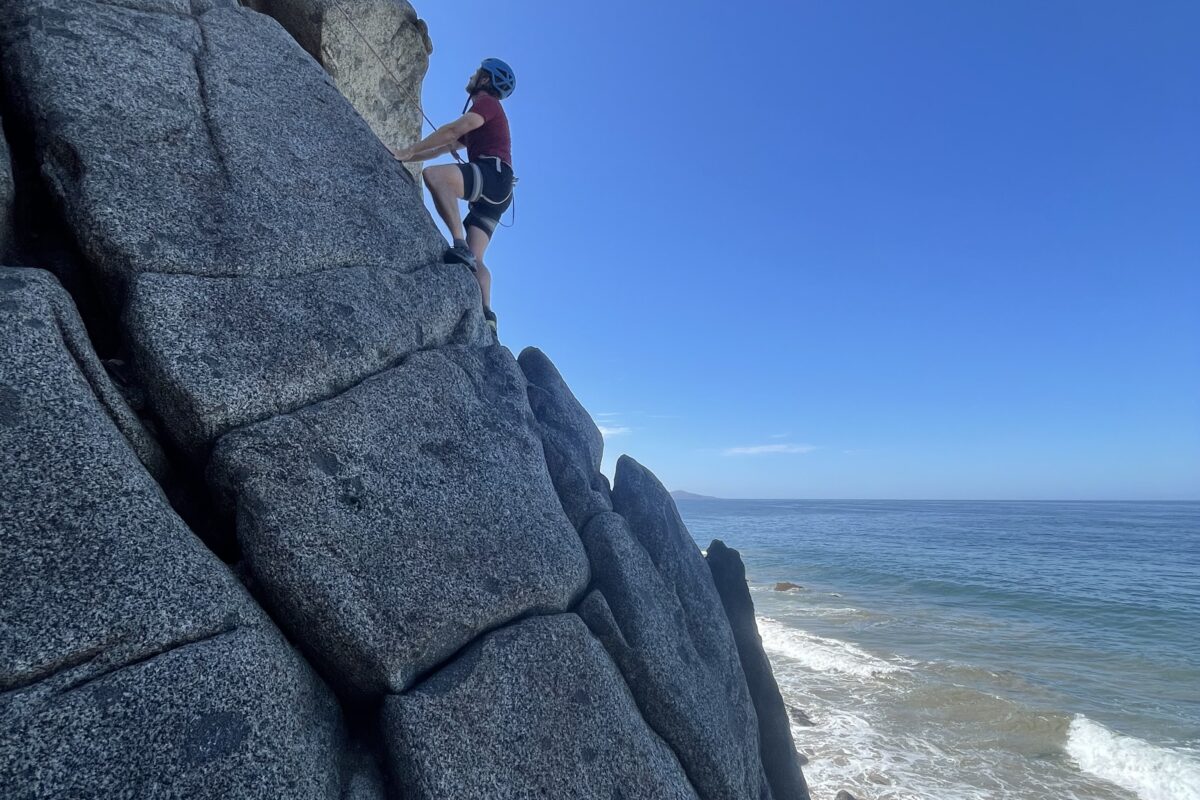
x,y
485,181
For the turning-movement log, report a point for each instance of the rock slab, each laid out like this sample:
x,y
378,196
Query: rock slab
x,y
573,444
690,696
233,715
220,353
774,731
199,138
391,525
376,51
535,709
129,655
651,516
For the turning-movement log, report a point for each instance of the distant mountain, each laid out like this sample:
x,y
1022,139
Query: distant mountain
x,y
679,494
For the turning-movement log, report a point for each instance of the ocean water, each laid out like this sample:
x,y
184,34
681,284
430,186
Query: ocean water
x,y
980,650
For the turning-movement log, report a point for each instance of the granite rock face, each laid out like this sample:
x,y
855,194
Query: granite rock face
x,y
647,507
46,345
689,695
540,692
774,729
203,142
393,524
572,442
376,51
651,514
418,512
128,653
219,353
233,715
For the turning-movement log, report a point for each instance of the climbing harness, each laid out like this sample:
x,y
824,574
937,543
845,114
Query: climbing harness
x,y
511,189
500,72
478,194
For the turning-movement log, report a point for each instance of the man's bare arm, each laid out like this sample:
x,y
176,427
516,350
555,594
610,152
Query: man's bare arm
x,y
407,154
442,140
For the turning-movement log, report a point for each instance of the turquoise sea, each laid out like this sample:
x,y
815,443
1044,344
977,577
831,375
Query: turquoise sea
x,y
980,650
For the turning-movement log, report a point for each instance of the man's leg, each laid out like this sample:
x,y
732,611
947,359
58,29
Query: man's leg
x,y
445,183
478,241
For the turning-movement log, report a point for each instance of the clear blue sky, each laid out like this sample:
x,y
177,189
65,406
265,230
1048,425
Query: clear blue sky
x,y
858,249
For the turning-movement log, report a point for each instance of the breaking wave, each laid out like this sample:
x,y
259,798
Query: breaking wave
x,y
821,654
1151,771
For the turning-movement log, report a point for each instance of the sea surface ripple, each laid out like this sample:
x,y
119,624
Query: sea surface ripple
x,y
980,650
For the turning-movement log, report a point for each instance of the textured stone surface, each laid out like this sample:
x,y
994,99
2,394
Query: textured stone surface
x,y
535,709
120,634
205,143
694,698
93,558
6,196
47,347
403,491
652,516
377,52
235,715
774,730
392,524
573,444
364,776
218,353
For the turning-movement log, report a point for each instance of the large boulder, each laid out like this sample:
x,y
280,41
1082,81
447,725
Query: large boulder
x,y
129,655
651,516
774,728
647,506
377,52
219,353
573,444
402,491
535,709
198,138
6,196
690,695
391,525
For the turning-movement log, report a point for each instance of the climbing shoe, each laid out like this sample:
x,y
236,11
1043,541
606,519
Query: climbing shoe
x,y
489,317
459,253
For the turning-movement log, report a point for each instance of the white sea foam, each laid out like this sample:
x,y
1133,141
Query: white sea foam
x,y
847,751
819,653
1153,772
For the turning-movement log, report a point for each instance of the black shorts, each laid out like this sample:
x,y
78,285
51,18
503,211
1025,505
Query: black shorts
x,y
487,186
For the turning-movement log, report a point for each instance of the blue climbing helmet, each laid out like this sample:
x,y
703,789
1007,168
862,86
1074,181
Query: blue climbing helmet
x,y
503,79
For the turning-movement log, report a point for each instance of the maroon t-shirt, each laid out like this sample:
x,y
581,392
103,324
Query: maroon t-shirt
x,y
492,137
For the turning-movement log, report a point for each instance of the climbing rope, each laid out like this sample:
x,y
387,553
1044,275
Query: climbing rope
x,y
416,102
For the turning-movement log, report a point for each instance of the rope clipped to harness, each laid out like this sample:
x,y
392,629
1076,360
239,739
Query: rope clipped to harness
x,y
512,187
417,104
